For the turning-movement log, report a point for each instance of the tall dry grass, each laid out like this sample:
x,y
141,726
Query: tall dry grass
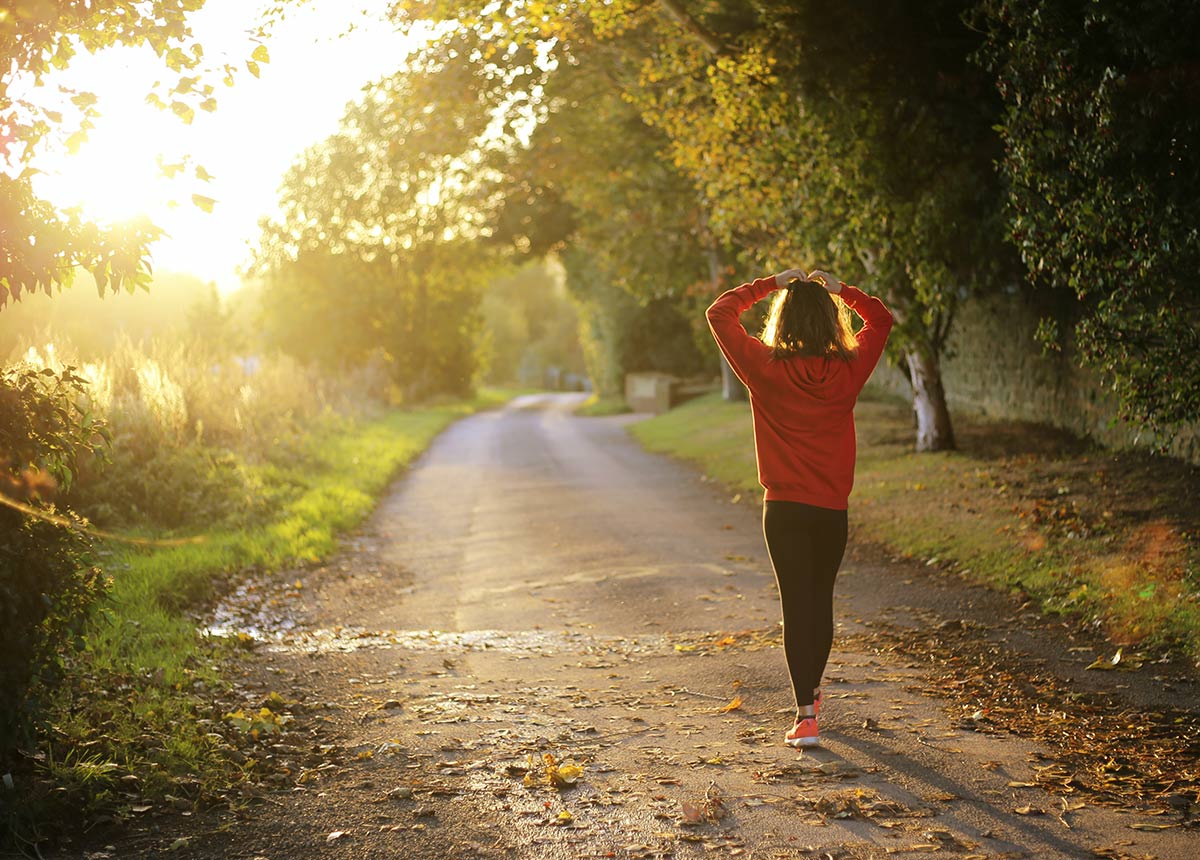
x,y
187,419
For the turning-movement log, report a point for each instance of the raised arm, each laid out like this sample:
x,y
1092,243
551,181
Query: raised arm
x,y
872,337
745,353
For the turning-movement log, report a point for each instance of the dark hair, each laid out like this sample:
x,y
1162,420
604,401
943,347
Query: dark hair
x,y
805,319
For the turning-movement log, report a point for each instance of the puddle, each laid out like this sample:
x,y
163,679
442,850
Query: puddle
x,y
283,635
270,612
529,642
260,610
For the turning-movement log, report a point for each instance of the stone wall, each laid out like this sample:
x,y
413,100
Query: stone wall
x,y
996,367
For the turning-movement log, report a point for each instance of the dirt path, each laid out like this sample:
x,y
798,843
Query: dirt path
x,y
537,590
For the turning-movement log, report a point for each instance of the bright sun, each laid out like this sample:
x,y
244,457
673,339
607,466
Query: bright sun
x,y
318,63
116,173
112,179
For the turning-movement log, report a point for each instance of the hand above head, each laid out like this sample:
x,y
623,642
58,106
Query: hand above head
x,y
826,280
788,275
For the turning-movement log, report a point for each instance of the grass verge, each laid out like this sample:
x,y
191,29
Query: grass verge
x,y
142,715
596,406
1111,537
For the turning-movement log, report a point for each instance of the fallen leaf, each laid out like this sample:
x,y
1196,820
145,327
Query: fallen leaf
x,y
336,835
1110,663
732,706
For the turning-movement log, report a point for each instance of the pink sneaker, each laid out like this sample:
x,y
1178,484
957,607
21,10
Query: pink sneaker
x,y
803,734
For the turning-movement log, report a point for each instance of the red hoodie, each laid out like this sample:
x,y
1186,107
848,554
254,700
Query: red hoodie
x,y
803,406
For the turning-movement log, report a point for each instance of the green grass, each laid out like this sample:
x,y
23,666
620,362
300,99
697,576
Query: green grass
x,y
1111,537
597,406
138,701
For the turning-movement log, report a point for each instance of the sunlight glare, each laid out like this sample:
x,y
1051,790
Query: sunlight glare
x,y
321,56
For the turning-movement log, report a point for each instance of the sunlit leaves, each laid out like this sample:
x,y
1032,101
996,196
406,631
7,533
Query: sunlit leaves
x,y
184,111
202,202
258,723
552,772
382,228
43,246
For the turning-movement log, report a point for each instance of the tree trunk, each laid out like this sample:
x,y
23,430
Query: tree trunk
x,y
934,431
732,389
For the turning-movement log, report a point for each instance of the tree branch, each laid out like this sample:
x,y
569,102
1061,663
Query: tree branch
x,y
681,16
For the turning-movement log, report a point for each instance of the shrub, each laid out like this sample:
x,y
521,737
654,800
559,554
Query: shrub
x,y
46,583
186,420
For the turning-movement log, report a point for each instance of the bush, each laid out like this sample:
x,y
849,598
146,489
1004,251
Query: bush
x,y
46,584
188,423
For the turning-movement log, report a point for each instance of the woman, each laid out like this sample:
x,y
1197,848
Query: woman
x,y
804,376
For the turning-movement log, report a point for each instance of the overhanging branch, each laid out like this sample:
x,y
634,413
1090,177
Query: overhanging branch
x,y
681,16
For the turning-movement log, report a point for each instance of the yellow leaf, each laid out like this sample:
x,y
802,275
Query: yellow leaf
x,y
205,203
1111,663
183,111
260,54
564,774
732,706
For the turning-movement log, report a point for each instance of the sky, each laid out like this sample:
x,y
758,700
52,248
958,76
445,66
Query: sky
x,y
321,55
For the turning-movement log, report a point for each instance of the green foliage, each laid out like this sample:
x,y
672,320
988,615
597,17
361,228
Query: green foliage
x,y
532,326
804,133
589,185
185,426
1100,129
622,335
46,427
46,583
377,250
774,133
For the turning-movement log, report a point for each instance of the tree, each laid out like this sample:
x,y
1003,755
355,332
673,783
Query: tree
x,y
1100,133
800,120
577,174
380,244
531,325
636,261
42,246
803,152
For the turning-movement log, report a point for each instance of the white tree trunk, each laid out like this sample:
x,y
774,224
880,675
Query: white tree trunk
x,y
934,430
731,387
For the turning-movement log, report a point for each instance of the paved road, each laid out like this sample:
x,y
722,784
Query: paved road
x,y
538,585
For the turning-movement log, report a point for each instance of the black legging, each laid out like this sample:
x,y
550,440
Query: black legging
x,y
806,545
